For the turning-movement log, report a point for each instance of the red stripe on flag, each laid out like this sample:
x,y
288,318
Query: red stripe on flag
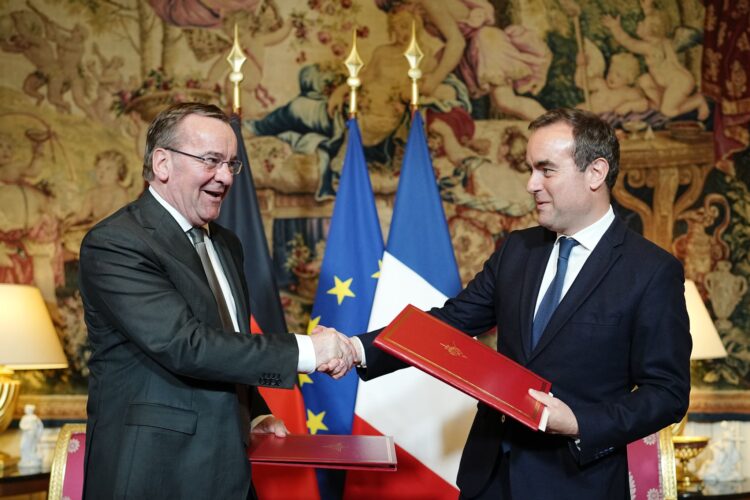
x,y
278,482
412,481
254,328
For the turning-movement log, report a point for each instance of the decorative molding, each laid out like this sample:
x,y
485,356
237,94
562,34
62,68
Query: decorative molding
x,y
719,402
53,407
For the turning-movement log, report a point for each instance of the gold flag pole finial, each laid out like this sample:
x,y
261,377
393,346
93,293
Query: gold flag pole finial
x,y
353,64
236,59
414,55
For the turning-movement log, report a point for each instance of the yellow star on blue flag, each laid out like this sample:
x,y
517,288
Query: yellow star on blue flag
x,y
315,422
353,246
341,289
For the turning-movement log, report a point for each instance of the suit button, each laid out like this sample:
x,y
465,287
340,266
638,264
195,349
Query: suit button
x,y
502,419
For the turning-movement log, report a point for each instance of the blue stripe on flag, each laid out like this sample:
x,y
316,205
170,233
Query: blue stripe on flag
x,y
346,289
419,235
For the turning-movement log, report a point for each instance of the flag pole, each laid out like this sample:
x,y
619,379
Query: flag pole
x,y
414,56
241,214
236,59
353,64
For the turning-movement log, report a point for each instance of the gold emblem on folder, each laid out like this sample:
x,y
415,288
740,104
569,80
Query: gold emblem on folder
x,y
454,350
337,447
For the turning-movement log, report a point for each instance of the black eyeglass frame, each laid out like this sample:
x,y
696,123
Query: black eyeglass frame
x,y
211,164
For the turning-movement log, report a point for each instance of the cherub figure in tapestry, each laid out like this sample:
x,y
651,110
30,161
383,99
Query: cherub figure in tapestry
x,y
259,26
505,63
110,80
110,189
386,90
668,84
199,13
30,250
478,173
259,29
616,92
70,48
23,32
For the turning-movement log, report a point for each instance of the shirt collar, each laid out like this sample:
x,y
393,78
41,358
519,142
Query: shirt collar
x,y
176,215
589,236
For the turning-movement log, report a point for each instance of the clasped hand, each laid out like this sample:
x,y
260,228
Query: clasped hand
x,y
335,353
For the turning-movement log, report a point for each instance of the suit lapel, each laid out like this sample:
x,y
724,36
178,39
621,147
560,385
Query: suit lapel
x,y
232,272
170,237
593,272
167,233
535,265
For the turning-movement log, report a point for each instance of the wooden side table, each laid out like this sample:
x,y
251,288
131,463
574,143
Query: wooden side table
x,y
16,481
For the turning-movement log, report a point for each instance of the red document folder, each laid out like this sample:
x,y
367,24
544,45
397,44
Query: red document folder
x,y
328,451
450,355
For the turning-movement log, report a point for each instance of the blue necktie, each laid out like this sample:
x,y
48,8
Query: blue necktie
x,y
554,292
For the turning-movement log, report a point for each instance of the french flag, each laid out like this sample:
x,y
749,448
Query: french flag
x,y
428,419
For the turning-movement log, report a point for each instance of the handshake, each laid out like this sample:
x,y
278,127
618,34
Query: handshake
x,y
335,353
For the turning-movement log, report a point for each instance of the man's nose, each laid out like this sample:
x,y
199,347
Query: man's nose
x,y
224,175
532,185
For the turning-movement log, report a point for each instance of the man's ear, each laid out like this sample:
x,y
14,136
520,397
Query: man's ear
x,y
161,164
597,173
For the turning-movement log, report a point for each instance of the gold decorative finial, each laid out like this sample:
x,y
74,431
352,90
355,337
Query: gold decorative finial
x,y
353,64
414,55
236,59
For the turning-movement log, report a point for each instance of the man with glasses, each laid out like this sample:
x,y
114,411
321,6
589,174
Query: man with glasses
x,y
174,370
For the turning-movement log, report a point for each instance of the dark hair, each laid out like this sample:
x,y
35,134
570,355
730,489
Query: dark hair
x,y
162,132
592,138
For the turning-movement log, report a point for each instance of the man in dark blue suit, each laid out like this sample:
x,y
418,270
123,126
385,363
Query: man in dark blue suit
x,y
589,305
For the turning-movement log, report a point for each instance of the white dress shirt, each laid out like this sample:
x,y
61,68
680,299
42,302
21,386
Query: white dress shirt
x,y
306,362
587,239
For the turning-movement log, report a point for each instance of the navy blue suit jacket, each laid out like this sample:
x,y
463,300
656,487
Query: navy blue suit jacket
x,y
616,350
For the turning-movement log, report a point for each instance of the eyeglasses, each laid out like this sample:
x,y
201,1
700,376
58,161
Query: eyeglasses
x,y
212,163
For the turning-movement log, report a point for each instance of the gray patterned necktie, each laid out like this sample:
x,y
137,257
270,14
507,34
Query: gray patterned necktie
x,y
197,236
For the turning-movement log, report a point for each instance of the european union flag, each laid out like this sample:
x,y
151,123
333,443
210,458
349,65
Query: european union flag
x,y
346,288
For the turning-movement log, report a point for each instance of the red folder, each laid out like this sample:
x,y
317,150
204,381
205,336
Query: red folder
x,y
327,451
453,357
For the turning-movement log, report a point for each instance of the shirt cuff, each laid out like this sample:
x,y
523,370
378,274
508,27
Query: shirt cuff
x,y
254,422
306,362
360,350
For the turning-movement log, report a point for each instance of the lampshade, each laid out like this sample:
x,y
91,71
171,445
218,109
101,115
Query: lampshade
x,y
706,341
27,338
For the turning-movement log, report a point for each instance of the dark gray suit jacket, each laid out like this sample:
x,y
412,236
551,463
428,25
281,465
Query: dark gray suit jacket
x,y
163,410
623,324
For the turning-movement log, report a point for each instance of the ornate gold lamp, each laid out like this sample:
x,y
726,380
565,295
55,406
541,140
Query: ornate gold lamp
x,y
706,345
28,341
687,448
